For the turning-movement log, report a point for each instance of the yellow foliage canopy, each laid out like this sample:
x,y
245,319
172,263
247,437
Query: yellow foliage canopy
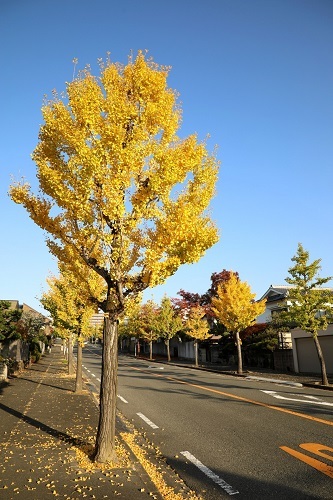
x,y
196,325
116,182
234,305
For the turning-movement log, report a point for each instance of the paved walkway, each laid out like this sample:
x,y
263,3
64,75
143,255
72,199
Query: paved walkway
x,y
47,432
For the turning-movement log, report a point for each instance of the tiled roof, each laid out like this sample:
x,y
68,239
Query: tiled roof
x,y
279,292
276,292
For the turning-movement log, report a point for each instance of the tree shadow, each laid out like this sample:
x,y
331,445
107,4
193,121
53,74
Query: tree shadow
x,y
48,385
66,438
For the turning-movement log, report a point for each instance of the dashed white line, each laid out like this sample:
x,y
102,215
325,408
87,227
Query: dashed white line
x,y
149,422
209,473
122,399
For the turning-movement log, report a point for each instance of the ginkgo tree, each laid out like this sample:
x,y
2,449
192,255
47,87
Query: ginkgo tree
x,y
54,301
235,307
197,327
118,185
71,304
167,323
309,304
148,327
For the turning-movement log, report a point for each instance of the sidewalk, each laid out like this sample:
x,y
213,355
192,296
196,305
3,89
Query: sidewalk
x,y
47,432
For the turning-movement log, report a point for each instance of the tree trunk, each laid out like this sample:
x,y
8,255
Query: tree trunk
x,y
324,379
196,353
151,349
105,439
70,355
167,342
78,382
64,348
239,353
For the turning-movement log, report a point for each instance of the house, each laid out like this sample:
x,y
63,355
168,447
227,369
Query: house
x,y
300,343
276,300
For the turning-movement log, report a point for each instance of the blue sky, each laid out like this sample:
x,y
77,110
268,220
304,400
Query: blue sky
x,y
257,75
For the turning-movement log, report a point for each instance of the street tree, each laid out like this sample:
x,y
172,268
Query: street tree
x,y
55,301
236,308
197,327
124,191
70,303
309,304
148,324
129,324
168,323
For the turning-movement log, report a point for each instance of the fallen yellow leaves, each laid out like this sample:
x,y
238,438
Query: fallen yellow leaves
x,y
155,475
84,457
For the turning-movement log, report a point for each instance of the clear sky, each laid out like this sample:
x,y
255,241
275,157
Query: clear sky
x,y
257,75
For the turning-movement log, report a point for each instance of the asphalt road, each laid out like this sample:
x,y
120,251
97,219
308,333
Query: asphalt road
x,y
229,436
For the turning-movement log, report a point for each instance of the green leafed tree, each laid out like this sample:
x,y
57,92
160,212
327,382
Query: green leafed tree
x,y
9,318
32,326
309,304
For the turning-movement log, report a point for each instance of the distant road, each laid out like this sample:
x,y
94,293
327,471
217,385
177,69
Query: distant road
x,y
229,436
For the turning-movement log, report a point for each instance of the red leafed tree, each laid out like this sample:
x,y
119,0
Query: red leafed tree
x,y
190,300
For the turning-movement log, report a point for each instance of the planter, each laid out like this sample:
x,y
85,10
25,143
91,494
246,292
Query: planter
x,y
3,371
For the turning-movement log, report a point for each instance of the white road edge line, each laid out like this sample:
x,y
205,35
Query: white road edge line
x,y
221,482
122,399
149,422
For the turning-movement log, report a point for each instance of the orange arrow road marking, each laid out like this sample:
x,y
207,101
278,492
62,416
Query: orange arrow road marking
x,y
316,464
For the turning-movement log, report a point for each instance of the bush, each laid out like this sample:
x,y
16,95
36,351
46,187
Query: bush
x,y
35,351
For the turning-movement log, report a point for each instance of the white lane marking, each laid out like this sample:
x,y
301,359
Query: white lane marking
x,y
157,367
98,379
218,480
149,422
122,399
313,399
274,381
